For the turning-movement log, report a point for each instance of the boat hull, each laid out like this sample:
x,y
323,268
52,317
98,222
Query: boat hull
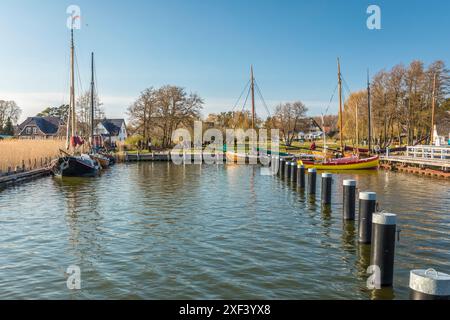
x,y
75,167
241,157
341,164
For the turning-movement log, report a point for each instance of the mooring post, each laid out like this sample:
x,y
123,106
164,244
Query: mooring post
x,y
287,170
367,207
349,201
327,181
312,175
293,171
301,176
278,164
282,164
383,246
429,285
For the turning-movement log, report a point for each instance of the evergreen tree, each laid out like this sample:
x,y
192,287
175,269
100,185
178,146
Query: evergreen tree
x,y
9,128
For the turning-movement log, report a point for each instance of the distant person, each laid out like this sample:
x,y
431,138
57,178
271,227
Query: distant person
x,y
313,146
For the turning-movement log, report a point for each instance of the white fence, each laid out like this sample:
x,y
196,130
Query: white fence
x,y
429,152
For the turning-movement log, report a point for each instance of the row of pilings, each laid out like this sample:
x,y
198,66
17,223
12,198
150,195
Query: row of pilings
x,y
376,229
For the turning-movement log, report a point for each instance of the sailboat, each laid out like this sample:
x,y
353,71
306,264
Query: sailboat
x,y
252,155
100,158
70,164
353,162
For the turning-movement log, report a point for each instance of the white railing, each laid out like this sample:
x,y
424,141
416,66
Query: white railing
x,y
429,152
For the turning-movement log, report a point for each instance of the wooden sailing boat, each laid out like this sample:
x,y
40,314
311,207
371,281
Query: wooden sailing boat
x,y
353,162
70,164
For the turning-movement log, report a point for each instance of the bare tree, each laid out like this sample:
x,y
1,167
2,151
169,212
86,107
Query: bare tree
x,y
159,112
142,111
288,118
84,112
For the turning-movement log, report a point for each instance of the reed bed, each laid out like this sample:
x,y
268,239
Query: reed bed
x,y
30,153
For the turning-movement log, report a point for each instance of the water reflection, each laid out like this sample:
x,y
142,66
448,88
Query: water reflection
x,y
386,293
348,236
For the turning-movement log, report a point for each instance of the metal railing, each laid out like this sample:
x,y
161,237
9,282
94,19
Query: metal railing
x,y
429,152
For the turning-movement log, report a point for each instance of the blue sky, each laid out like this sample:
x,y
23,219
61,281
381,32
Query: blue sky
x,y
207,46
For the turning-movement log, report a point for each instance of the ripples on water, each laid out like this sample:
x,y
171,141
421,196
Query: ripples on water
x,y
157,231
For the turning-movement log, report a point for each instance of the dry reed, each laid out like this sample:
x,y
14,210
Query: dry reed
x,y
14,153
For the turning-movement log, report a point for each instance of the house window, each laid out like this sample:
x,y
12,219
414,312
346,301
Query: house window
x,y
34,130
28,130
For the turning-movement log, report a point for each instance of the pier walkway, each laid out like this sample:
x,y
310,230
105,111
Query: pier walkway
x,y
425,160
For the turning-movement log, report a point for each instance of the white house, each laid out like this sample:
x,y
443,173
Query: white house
x,y
112,130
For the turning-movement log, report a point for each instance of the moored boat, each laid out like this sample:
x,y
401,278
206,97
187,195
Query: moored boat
x,y
70,164
76,166
348,163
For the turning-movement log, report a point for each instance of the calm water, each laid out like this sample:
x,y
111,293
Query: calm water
x,y
156,231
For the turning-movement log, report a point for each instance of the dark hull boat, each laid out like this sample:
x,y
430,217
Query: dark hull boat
x,y
73,166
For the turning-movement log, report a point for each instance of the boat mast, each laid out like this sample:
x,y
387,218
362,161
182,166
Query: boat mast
x,y
253,97
357,128
72,86
341,122
433,110
92,100
368,113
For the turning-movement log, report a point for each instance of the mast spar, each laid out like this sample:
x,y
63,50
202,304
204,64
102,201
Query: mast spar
x,y
433,110
92,100
253,97
72,88
341,122
357,127
368,113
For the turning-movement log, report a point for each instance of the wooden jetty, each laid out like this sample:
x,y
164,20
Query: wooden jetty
x,y
15,177
135,157
159,156
422,160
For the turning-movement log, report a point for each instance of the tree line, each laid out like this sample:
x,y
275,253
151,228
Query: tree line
x,y
158,112
401,105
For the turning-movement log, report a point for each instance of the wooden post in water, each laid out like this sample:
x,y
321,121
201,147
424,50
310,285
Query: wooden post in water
x,y
293,171
301,176
383,246
349,194
287,170
312,176
327,181
282,164
367,207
